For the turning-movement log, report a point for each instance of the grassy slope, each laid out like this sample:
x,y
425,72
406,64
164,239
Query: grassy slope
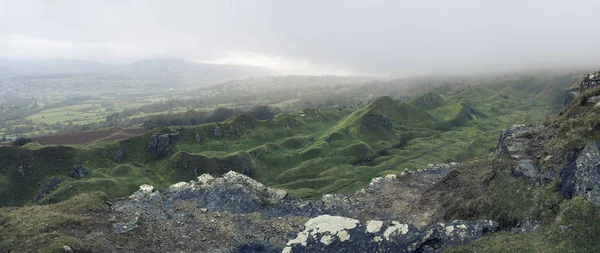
x,y
308,153
484,189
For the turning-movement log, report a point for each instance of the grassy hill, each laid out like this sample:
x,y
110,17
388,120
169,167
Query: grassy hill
x,y
307,153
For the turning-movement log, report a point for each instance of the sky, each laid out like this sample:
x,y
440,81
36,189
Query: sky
x,y
343,37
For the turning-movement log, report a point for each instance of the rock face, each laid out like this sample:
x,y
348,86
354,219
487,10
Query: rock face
x,y
160,144
581,176
78,171
235,213
381,121
50,186
516,143
327,233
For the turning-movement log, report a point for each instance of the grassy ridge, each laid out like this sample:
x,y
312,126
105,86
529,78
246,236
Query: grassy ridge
x,y
308,153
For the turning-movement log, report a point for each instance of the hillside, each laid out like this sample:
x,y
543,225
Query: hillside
x,y
536,191
308,153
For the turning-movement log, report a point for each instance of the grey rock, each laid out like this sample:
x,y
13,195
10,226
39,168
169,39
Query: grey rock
x,y
67,248
127,226
594,100
581,175
198,138
525,226
506,143
78,171
118,155
217,131
381,121
49,187
232,131
160,144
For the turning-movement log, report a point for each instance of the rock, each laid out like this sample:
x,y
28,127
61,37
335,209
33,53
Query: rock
x,y
50,186
581,175
594,100
174,136
198,138
507,143
126,226
326,233
217,131
232,131
67,248
526,226
118,155
160,144
78,171
381,121
525,169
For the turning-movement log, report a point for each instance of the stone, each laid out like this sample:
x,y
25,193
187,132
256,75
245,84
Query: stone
x,y
525,169
67,248
127,226
160,144
594,100
506,145
217,132
48,188
78,171
581,175
117,155
198,138
381,121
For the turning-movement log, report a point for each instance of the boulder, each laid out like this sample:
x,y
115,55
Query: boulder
x,y
78,171
117,155
508,142
217,132
581,175
232,131
160,144
594,100
198,138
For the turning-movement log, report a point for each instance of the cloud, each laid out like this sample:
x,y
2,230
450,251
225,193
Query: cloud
x,y
337,36
283,65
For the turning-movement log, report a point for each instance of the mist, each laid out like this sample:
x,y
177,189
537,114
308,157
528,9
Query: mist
x,y
391,38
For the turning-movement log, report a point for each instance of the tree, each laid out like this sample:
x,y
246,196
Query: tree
x,y
262,112
221,114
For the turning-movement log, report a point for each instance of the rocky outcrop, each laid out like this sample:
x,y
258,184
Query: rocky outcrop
x,y
117,155
327,233
509,141
49,187
160,144
581,175
381,121
217,131
78,171
517,143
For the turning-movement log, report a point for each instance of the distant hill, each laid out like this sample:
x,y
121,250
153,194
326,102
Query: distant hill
x,y
161,69
48,67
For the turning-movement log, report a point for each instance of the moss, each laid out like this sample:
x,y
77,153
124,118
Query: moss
x,y
37,228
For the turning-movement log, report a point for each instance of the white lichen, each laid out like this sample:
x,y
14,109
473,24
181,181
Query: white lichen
x,y
395,228
373,226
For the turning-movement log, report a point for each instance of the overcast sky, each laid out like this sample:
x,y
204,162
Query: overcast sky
x,y
311,37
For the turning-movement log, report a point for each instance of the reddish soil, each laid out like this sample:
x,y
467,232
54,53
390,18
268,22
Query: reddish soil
x,y
103,135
